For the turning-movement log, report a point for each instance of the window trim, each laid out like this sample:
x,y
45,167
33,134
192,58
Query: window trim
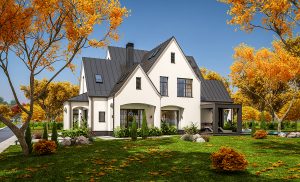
x,y
173,57
101,78
138,85
101,112
185,87
167,87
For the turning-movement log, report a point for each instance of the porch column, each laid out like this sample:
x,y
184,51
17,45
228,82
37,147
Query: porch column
x,y
80,116
239,119
215,119
157,116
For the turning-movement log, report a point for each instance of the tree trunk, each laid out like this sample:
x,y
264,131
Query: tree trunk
x,y
279,126
19,133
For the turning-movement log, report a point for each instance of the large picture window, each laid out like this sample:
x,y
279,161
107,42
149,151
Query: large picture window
x,y
164,86
184,87
126,117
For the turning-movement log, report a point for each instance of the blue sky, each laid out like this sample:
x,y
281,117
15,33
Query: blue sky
x,y
198,25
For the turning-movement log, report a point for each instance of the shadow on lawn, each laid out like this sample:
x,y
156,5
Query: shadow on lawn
x,y
82,163
280,147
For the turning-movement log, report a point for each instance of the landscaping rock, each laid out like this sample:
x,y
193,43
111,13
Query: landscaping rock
x,y
66,141
200,140
187,137
82,140
293,135
281,134
196,136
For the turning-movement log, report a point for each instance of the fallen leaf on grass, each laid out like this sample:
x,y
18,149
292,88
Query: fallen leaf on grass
x,y
101,174
31,169
153,173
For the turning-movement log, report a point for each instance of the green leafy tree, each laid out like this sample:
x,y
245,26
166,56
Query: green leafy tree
x,y
28,139
145,129
45,133
54,133
134,129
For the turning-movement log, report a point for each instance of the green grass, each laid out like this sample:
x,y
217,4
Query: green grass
x,y
168,159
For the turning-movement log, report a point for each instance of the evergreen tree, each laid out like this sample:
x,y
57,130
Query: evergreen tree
x,y
54,133
45,133
253,128
263,124
28,138
134,129
145,129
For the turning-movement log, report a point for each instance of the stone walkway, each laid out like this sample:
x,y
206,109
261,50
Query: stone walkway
x,y
8,142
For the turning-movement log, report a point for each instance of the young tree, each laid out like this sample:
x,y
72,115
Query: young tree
x,y
134,129
263,124
46,36
54,133
253,128
145,129
279,16
276,71
28,139
45,132
51,101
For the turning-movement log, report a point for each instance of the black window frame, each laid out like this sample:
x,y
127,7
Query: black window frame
x,y
187,91
173,57
138,83
100,80
100,119
166,93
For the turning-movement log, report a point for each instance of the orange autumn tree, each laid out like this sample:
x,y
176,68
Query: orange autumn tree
x,y
277,72
46,36
278,16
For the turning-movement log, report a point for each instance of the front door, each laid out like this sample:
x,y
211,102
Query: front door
x,y
171,117
127,117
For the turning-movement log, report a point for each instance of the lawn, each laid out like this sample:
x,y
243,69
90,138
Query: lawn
x,y
167,159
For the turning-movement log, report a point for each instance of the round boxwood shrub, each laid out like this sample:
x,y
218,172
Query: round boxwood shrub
x,y
227,159
260,134
44,147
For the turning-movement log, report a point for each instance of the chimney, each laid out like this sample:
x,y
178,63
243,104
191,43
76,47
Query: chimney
x,y
129,54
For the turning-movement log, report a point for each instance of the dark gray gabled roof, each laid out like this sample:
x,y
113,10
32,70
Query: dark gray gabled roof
x,y
114,73
80,98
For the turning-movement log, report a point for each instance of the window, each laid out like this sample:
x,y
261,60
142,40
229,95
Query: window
x,y
98,78
164,86
101,116
184,87
138,83
172,57
126,117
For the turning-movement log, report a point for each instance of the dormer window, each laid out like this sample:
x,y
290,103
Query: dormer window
x,y
173,57
98,78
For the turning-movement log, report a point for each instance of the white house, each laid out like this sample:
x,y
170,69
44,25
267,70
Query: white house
x,y
163,82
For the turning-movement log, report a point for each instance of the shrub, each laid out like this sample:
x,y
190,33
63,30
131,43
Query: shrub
x,y
134,130
28,139
192,130
206,137
44,147
121,132
227,159
155,132
59,126
145,129
72,133
168,130
45,133
139,132
263,124
271,126
260,134
253,128
187,137
173,130
37,135
54,133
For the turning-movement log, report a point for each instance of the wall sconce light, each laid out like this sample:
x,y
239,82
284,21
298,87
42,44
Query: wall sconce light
x,y
151,116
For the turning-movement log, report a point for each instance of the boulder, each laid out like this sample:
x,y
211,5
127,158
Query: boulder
x,y
200,140
187,137
293,135
66,141
281,134
196,136
82,140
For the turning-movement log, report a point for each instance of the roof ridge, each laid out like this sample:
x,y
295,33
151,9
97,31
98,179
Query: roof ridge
x,y
125,48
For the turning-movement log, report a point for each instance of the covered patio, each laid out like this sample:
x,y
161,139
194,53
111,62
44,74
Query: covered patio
x,y
215,115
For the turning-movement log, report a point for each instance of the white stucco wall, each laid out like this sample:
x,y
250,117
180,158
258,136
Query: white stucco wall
x,y
128,94
82,84
181,69
67,112
100,105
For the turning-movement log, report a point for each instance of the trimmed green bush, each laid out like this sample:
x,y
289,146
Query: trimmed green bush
x,y
155,132
168,130
45,133
28,138
121,132
145,129
134,130
253,128
72,133
263,124
192,130
54,133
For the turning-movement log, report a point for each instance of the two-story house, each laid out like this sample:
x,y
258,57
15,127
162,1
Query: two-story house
x,y
163,82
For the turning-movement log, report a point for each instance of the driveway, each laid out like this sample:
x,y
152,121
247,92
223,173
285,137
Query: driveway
x,y
5,134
